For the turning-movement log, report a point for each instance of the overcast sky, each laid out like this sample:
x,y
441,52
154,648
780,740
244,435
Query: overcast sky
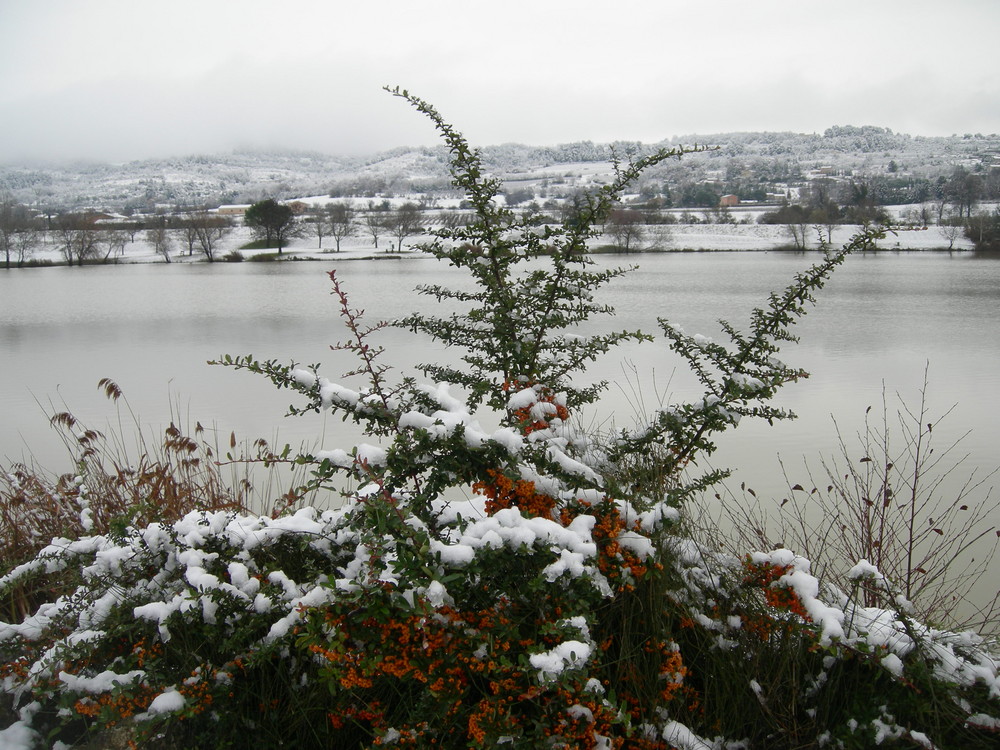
x,y
127,79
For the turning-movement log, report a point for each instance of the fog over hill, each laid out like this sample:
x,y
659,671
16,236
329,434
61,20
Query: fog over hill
x,y
764,158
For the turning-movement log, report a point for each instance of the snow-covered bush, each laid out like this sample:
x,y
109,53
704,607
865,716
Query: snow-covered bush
x,y
521,584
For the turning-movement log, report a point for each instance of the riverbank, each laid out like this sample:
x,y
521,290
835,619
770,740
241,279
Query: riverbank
x,y
659,238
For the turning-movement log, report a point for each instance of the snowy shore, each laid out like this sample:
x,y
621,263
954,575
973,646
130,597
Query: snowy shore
x,y
661,238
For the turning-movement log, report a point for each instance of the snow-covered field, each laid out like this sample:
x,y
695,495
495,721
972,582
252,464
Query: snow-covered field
x,y
670,237
770,236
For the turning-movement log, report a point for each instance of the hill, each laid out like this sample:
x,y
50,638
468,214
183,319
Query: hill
x,y
750,164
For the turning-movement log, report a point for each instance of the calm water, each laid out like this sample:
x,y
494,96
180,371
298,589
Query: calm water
x,y
880,322
151,329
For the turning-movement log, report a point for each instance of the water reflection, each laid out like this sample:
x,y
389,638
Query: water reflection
x,y
152,328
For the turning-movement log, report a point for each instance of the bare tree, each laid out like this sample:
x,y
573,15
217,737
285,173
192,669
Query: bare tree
x,y
722,215
17,233
660,236
113,242
342,224
918,216
25,242
796,221
983,228
964,190
319,224
404,222
374,223
190,234
132,227
209,230
159,237
78,238
924,214
797,232
626,227
951,230
939,207
825,219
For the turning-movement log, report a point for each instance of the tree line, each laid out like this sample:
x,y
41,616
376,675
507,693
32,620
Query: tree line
x,y
825,203
95,237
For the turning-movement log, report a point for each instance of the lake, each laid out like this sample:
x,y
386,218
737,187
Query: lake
x,y
880,321
151,329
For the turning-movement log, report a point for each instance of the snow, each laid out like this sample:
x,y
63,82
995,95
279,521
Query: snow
x,y
508,438
894,664
880,628
166,702
331,393
522,399
437,594
568,562
682,738
829,619
159,612
517,530
337,457
984,720
756,237
453,555
571,465
566,655
746,381
639,544
655,517
373,455
100,683
701,341
19,736
679,237
864,569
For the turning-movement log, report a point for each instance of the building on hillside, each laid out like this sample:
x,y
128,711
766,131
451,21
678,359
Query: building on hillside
x,y
728,201
232,210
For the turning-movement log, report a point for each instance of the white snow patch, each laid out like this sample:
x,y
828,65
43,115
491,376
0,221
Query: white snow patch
x,y
166,702
682,738
566,655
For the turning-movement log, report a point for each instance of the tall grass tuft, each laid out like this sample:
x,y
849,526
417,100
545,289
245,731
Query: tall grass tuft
x,y
116,484
897,499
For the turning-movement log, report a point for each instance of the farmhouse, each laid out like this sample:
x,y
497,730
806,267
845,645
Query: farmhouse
x,y
232,210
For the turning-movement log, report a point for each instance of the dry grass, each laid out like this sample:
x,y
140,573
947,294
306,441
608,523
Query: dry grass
x,y
116,485
897,500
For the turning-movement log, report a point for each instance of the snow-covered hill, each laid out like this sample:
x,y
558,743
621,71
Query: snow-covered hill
x,y
549,171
